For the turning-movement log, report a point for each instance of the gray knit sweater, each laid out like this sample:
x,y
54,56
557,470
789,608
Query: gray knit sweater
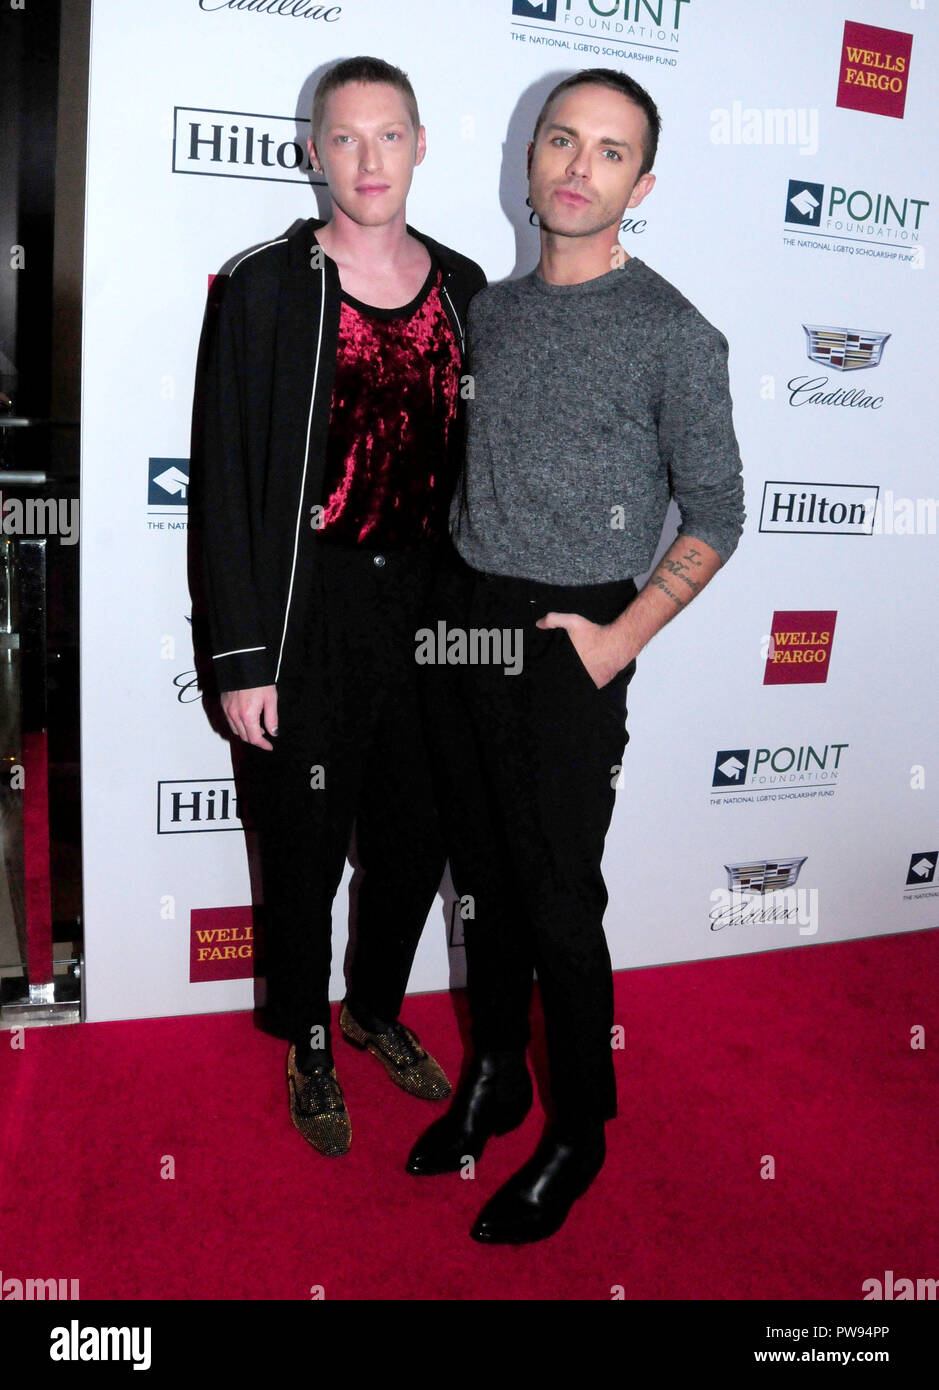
x,y
593,404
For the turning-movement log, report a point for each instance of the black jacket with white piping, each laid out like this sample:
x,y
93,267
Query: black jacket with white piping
x,y
269,353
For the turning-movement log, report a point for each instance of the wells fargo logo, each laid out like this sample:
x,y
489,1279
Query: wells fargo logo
x,y
221,943
799,648
875,68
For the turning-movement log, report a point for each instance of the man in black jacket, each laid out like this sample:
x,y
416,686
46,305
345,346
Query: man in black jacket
x,y
332,406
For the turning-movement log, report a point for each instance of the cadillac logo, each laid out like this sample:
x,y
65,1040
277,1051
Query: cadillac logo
x,y
846,349
763,875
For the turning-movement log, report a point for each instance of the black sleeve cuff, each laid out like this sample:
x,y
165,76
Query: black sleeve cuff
x,y
245,670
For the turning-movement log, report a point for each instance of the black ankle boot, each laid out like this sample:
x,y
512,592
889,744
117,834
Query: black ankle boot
x,y
495,1097
536,1200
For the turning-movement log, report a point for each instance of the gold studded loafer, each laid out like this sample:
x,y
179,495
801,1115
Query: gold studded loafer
x,y
402,1056
317,1108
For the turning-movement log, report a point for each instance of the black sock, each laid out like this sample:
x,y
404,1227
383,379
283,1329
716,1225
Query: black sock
x,y
365,1018
308,1057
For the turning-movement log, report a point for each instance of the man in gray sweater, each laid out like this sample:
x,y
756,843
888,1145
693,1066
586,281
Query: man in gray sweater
x,y
600,392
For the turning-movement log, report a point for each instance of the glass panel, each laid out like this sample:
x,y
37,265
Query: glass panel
x,y
40,950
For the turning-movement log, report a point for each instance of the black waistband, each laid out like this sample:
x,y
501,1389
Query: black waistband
x,y
356,559
607,599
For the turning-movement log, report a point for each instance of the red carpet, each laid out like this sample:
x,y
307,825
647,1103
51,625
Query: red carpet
x,y
802,1054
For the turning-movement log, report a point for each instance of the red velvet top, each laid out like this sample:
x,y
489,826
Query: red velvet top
x,y
390,464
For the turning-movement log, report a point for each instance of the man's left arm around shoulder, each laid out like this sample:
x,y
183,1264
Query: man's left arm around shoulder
x,y
698,445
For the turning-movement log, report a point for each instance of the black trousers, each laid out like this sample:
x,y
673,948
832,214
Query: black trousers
x,y
529,764
350,750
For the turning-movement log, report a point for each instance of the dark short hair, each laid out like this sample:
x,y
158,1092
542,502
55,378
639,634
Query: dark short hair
x,y
362,70
618,82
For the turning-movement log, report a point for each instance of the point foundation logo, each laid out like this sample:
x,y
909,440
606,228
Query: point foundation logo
x,y
167,494
611,28
168,483
856,211
887,225
921,875
546,10
776,774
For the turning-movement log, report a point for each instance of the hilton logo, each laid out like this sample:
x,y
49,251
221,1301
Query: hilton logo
x,y
198,804
241,145
819,509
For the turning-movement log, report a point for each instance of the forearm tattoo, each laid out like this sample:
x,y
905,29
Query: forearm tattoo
x,y
681,571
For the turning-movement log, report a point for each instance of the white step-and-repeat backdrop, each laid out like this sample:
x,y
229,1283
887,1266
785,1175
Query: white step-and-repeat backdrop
x,y
781,784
